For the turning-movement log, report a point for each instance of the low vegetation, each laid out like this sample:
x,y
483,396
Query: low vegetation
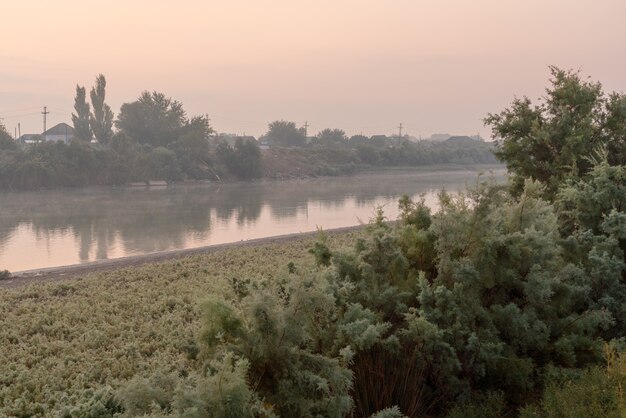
x,y
66,349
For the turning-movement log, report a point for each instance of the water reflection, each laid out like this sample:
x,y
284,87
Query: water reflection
x,y
49,228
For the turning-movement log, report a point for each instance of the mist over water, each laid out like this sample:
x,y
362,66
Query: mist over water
x,y
53,228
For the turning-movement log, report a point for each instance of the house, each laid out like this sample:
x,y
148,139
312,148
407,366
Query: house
x,y
460,139
29,138
438,137
61,132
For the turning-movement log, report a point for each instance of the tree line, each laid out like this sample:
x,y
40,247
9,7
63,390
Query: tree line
x,y
155,139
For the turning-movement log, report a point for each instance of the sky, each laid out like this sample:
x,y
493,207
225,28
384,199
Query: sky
x,y
364,66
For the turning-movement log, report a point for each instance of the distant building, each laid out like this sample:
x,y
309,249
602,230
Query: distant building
x,y
29,138
438,137
264,143
61,132
461,139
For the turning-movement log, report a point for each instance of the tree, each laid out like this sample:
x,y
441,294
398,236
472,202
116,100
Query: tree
x,y
6,142
283,133
551,141
101,120
331,136
244,160
155,119
81,119
359,139
192,147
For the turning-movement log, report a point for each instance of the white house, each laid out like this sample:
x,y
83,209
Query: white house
x,y
61,132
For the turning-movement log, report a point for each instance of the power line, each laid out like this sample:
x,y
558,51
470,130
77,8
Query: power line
x,y
21,115
23,109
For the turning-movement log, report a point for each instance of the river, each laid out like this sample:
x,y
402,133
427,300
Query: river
x,y
61,227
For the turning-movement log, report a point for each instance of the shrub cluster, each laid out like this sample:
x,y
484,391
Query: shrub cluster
x,y
55,164
487,299
486,295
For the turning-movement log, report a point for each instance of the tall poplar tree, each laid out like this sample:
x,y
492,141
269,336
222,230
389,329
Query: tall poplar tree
x,y
101,120
82,116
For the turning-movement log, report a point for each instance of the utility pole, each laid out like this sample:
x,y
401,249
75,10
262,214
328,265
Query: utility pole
x,y
44,113
400,131
19,130
306,128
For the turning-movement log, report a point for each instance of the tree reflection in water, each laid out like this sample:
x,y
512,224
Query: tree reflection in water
x,y
144,220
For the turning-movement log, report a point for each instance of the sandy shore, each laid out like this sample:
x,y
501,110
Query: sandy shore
x,y
23,278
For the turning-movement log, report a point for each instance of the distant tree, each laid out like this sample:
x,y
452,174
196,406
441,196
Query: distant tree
x,y
244,160
192,147
199,127
6,142
101,120
286,134
82,116
155,119
380,140
331,136
249,158
359,139
551,141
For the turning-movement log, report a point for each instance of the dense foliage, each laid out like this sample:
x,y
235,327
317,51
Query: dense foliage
x,y
80,119
484,296
552,140
55,164
156,120
101,119
284,133
244,160
6,142
187,155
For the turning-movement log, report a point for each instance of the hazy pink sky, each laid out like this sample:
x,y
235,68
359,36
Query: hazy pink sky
x,y
363,66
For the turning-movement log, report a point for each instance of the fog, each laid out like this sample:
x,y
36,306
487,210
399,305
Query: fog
x,y
362,66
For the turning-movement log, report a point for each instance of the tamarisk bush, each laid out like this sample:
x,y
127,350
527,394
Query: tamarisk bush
x,y
487,294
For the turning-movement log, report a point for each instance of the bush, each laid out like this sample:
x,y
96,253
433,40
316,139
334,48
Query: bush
x,y
596,393
479,297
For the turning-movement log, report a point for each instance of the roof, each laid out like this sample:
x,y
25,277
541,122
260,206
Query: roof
x,y
60,129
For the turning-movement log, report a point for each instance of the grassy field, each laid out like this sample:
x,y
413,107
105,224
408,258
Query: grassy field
x,y
62,342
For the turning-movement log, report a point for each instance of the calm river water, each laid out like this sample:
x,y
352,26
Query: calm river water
x,y
54,228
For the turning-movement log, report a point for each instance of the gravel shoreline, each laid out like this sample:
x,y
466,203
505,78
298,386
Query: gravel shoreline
x,y
51,274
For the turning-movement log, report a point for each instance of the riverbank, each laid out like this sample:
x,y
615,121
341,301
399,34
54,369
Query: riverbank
x,y
50,166
53,274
